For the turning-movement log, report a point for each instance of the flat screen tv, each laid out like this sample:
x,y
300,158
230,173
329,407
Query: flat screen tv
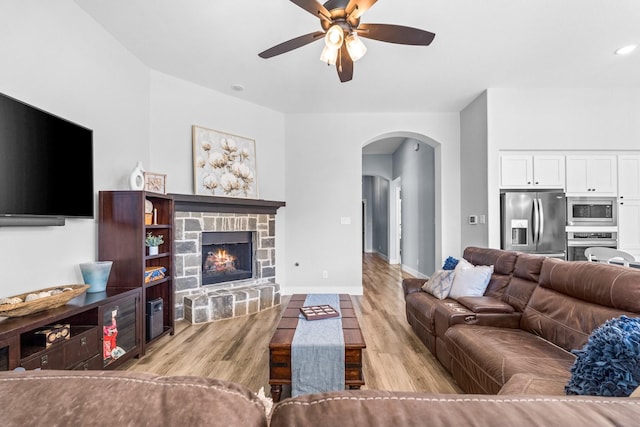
x,y
46,166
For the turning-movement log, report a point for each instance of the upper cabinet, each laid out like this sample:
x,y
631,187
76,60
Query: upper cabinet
x,y
629,176
589,175
532,171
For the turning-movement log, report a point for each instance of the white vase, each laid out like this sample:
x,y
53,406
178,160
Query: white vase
x,y
153,250
136,179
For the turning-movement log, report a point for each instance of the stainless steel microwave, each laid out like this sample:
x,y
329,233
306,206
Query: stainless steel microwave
x,y
600,211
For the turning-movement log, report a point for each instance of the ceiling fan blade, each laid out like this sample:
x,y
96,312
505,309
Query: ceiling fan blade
x,y
356,8
291,44
344,65
395,34
314,8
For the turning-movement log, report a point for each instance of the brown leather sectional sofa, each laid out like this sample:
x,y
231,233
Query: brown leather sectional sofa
x,y
509,350
534,312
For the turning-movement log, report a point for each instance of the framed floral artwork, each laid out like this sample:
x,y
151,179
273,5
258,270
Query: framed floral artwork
x,y
223,164
155,182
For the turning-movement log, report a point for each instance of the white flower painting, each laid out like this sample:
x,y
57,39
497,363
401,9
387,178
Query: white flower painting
x,y
223,164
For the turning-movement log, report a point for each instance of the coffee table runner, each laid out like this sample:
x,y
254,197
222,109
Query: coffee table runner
x,y
317,351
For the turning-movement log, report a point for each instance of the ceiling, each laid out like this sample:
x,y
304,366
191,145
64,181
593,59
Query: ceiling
x,y
478,45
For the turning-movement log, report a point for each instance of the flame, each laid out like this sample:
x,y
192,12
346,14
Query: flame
x,y
221,261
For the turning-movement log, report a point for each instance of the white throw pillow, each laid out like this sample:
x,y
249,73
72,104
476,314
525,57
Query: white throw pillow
x,y
439,284
470,280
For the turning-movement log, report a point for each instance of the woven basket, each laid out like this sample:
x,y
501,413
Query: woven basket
x,y
41,304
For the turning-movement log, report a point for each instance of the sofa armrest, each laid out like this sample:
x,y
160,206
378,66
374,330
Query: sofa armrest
x,y
485,305
412,285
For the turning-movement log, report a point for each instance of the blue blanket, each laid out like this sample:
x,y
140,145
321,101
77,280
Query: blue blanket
x,y
317,351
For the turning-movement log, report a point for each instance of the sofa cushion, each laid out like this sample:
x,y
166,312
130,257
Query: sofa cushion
x,y
439,284
523,281
470,280
376,408
574,298
608,363
503,264
114,398
485,305
488,356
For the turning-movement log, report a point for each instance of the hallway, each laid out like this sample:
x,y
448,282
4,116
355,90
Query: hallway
x,y
394,358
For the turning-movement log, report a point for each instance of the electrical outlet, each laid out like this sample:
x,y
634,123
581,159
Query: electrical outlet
x,y
325,274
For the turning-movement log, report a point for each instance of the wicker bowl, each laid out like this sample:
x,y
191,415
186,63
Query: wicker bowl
x,y
44,303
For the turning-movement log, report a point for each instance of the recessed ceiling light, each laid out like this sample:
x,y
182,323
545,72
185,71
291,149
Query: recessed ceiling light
x,y
627,49
237,87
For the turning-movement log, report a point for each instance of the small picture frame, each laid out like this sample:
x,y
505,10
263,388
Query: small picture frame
x,y
155,182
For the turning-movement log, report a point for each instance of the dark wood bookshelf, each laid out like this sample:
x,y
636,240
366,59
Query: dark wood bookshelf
x,y
122,232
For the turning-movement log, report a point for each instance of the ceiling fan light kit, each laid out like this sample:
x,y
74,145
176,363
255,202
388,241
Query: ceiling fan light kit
x,y
340,21
329,55
356,48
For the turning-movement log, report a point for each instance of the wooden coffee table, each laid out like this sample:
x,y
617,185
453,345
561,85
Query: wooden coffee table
x,y
280,345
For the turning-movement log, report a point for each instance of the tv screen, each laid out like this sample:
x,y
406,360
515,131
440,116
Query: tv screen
x,y
46,164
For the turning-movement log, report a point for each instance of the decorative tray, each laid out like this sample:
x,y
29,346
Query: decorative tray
x,y
43,303
317,312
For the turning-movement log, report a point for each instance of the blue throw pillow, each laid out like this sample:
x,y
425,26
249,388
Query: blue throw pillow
x,y
609,363
450,263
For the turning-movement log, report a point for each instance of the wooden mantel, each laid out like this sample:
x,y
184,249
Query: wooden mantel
x,y
192,203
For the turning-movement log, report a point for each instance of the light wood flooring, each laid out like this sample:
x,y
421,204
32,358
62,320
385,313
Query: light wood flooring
x,y
237,349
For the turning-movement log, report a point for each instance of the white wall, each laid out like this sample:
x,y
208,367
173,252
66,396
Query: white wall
x,y
55,57
473,171
378,165
176,105
416,169
556,119
323,184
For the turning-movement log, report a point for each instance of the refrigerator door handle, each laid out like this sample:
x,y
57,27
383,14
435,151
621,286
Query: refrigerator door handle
x,y
541,216
535,221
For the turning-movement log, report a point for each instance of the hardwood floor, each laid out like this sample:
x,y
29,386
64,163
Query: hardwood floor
x,y
237,349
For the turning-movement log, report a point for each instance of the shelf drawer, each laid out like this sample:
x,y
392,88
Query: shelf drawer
x,y
81,346
48,359
93,364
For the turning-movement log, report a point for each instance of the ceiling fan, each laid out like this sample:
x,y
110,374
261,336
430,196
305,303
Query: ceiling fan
x,y
340,22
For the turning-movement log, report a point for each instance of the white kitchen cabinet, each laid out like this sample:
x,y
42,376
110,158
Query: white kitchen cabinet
x,y
591,175
629,226
629,177
532,171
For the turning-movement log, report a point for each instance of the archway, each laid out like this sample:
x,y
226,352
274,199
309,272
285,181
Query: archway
x,y
411,162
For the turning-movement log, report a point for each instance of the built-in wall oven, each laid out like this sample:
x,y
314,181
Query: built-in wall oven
x,y
592,211
578,241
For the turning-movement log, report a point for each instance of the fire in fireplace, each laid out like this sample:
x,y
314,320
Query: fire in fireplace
x,y
226,256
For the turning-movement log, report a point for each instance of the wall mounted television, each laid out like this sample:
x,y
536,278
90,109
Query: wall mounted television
x,y
46,167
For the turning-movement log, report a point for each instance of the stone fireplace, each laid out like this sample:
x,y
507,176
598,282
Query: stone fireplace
x,y
224,257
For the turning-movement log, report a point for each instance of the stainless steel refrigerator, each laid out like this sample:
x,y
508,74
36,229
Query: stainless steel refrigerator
x,y
534,222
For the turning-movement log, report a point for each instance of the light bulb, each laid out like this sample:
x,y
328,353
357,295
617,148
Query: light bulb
x,y
334,37
356,48
627,49
329,55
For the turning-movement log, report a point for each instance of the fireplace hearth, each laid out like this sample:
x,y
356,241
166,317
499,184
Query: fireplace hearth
x,y
226,256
